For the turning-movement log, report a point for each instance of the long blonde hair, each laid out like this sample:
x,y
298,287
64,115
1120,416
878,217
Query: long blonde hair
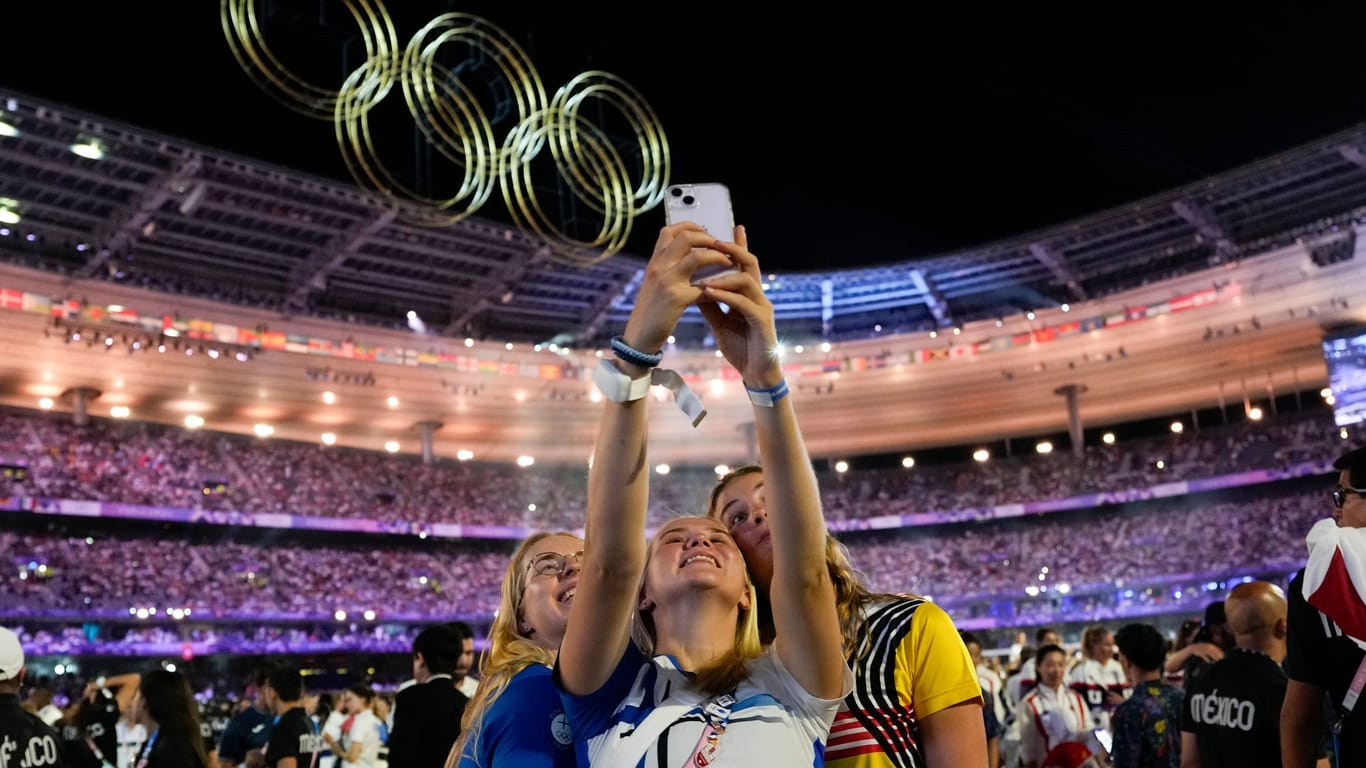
x,y
724,673
509,651
850,593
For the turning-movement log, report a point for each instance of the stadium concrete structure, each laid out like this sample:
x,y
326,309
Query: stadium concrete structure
x,y
267,288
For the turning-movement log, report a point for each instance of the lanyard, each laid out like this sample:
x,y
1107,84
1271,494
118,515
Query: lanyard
x,y
95,750
1358,682
1348,702
717,714
147,749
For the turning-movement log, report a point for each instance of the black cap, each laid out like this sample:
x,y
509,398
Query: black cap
x,y
1354,461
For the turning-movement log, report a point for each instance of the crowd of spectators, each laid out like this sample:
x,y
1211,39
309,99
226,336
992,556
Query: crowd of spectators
x,y
121,639
1145,557
47,456
143,587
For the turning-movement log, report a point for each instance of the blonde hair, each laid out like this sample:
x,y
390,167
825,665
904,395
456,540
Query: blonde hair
x,y
724,673
850,593
1092,636
509,651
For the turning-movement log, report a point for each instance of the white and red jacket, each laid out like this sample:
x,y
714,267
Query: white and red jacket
x,y
1049,717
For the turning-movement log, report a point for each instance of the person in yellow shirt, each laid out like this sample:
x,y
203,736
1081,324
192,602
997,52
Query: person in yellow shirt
x,y
916,698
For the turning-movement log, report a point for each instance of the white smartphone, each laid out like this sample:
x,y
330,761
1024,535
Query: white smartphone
x,y
705,204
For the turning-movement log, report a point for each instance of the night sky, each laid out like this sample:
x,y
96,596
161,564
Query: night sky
x,y
847,141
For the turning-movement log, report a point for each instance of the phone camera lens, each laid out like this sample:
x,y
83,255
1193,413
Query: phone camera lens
x,y
689,200
676,191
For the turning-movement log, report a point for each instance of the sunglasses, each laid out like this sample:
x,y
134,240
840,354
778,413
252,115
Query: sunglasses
x,y
553,563
1340,494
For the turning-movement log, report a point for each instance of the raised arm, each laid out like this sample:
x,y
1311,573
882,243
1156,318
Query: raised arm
x,y
802,596
618,480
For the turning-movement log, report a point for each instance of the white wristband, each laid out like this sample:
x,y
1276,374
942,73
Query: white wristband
x,y
617,386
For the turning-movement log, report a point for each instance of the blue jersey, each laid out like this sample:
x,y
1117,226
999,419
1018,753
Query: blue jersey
x,y
525,727
248,730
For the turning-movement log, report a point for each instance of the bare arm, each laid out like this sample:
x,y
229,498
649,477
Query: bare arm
x,y
126,686
956,736
1301,725
1207,651
351,755
618,480
803,598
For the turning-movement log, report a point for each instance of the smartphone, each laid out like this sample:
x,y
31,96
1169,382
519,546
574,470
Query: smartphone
x,y
705,204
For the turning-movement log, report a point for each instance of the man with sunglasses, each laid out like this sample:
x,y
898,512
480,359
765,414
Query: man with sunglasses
x,y
1326,642
427,714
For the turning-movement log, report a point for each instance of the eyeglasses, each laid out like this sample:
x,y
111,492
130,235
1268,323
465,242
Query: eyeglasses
x,y
553,563
1340,494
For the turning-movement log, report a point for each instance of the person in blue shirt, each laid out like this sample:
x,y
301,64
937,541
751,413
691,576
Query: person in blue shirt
x,y
248,731
515,717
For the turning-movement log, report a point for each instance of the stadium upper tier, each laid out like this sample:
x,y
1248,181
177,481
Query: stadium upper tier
x,y
142,277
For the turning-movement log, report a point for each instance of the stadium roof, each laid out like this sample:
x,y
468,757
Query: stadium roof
x,y
163,213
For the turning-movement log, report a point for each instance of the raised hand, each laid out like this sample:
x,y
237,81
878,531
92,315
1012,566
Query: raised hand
x,y
746,335
666,289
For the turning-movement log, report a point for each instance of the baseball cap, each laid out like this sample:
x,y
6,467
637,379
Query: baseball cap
x,y
11,655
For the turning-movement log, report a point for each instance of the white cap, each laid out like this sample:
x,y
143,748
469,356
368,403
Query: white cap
x,y
11,655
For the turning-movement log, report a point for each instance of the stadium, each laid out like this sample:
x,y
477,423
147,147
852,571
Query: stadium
x,y
250,411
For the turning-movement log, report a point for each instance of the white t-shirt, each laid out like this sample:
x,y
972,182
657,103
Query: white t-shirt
x,y
130,738
332,727
645,715
363,729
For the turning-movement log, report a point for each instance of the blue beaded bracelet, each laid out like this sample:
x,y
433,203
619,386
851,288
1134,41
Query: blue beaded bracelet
x,y
630,354
767,397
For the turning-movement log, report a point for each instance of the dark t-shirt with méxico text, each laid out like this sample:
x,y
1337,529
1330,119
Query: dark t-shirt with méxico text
x,y
294,735
90,737
1234,710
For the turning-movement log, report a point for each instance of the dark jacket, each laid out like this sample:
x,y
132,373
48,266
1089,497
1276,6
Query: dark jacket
x,y
36,743
426,724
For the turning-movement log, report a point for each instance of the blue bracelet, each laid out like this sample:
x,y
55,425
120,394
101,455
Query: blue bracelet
x,y
630,354
767,397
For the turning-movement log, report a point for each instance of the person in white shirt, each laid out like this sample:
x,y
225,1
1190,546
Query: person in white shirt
x,y
1051,713
40,697
331,726
989,679
465,683
359,742
1098,677
131,736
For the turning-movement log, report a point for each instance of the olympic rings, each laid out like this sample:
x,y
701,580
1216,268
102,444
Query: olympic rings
x,y
455,109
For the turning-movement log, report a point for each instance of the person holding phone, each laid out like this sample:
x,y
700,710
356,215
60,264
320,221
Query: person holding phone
x,y
515,717
916,695
692,685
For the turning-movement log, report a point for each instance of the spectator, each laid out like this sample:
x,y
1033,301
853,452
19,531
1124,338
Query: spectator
x,y
22,732
1326,638
1146,727
1051,714
294,739
165,705
464,682
427,714
248,731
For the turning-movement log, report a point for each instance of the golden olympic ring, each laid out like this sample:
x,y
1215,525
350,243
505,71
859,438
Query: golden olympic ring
x,y
452,113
